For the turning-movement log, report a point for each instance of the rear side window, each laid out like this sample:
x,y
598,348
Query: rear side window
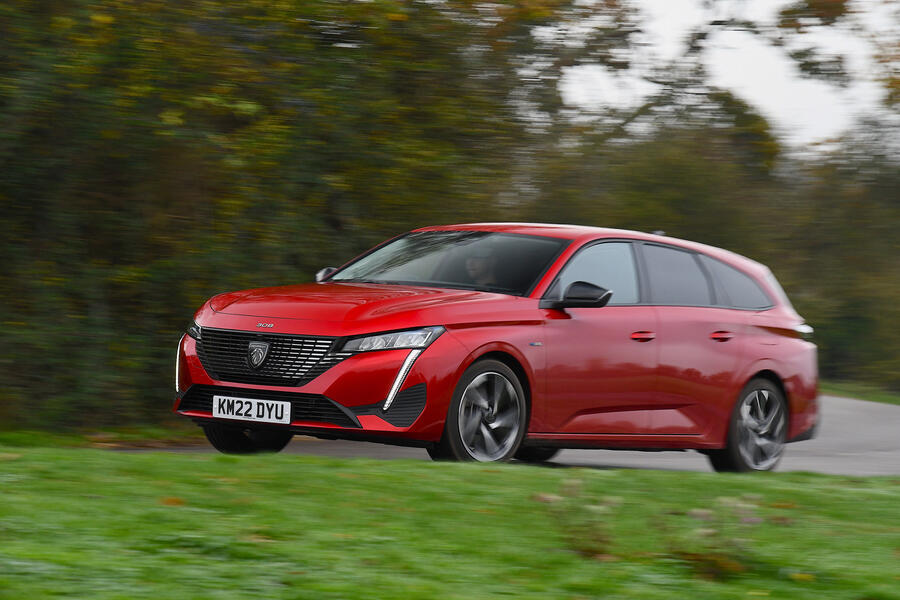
x,y
609,265
675,277
740,289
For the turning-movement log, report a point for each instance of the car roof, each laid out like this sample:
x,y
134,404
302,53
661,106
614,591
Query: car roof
x,y
570,232
584,233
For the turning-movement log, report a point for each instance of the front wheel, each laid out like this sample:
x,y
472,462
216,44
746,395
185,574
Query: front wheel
x,y
231,440
487,417
757,430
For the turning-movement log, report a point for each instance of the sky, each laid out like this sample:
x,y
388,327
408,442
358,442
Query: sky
x,y
803,111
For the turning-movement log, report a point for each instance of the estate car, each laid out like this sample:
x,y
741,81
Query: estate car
x,y
492,342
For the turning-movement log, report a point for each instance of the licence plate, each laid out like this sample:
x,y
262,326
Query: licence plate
x,y
248,409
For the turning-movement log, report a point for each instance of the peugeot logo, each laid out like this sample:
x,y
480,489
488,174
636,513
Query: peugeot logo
x,y
256,354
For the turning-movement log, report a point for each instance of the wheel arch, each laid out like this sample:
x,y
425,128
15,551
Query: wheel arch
x,y
778,382
764,369
513,363
774,378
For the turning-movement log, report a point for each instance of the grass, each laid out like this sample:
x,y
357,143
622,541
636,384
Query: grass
x,y
87,523
182,434
861,391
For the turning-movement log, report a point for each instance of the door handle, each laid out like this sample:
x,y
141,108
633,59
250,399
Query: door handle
x,y
721,336
643,336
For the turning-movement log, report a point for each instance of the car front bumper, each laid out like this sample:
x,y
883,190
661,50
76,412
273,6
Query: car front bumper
x,y
346,400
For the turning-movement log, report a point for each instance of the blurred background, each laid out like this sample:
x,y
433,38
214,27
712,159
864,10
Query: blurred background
x,y
155,153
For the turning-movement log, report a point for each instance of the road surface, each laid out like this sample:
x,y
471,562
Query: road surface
x,y
855,438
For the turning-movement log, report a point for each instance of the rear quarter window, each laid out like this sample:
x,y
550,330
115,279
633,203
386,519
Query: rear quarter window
x,y
740,290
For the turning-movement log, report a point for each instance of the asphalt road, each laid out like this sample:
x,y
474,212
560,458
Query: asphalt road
x,y
856,438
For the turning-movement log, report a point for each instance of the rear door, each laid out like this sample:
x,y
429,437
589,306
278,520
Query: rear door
x,y
700,343
601,362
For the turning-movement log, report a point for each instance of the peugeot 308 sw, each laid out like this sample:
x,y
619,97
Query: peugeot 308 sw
x,y
490,342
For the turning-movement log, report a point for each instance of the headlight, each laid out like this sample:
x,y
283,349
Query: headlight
x,y
413,338
194,330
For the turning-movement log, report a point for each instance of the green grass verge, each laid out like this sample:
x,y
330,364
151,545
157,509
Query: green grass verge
x,y
120,437
860,391
96,524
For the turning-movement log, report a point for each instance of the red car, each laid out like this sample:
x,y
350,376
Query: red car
x,y
497,341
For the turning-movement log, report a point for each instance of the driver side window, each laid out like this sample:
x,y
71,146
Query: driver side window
x,y
609,265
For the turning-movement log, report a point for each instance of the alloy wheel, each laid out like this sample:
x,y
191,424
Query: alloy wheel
x,y
761,429
490,416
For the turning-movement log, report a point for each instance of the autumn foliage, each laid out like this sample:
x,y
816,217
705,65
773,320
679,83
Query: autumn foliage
x,y
154,153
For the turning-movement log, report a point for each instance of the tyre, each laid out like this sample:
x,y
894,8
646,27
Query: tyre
x,y
536,454
487,417
756,432
439,452
231,440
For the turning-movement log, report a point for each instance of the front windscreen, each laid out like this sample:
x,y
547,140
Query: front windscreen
x,y
479,260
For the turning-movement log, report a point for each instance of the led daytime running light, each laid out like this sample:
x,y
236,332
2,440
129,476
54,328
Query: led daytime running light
x,y
401,377
178,365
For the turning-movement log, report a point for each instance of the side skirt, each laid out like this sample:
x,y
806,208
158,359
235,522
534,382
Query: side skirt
x,y
646,443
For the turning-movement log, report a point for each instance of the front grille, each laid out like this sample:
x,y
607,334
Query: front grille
x,y
291,360
304,407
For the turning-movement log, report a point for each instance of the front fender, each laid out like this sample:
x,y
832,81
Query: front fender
x,y
526,349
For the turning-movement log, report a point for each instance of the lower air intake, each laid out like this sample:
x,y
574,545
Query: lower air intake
x,y
405,409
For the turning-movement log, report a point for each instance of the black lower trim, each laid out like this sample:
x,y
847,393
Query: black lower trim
x,y
563,444
304,407
404,410
362,436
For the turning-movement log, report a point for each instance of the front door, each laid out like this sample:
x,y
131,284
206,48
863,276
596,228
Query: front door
x,y
601,362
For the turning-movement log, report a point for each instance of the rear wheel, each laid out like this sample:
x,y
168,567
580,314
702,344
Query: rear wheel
x,y
487,416
232,440
757,430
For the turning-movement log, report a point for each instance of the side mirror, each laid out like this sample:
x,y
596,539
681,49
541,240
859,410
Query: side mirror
x,y
323,274
580,294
